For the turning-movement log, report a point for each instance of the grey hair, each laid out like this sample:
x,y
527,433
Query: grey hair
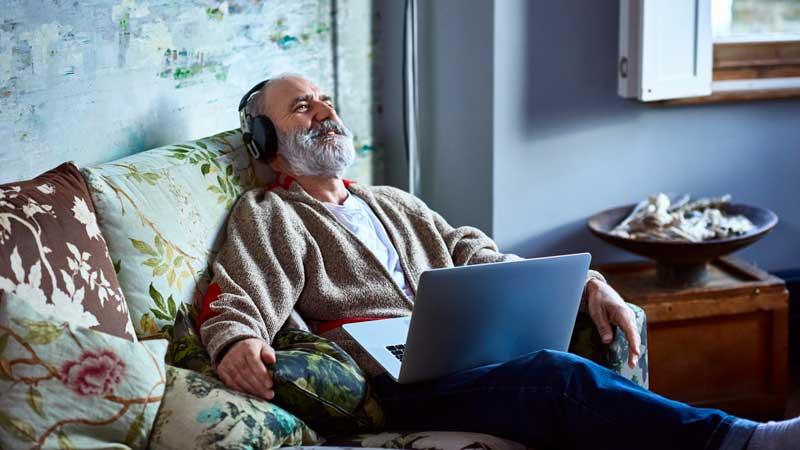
x,y
255,106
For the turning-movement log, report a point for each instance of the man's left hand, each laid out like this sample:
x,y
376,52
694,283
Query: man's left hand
x,y
607,308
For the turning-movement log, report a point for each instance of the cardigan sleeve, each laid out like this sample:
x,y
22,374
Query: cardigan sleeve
x,y
259,274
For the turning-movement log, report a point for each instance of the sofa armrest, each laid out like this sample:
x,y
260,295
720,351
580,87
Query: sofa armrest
x,y
586,342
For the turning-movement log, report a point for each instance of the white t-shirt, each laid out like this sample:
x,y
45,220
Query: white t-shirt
x,y
356,215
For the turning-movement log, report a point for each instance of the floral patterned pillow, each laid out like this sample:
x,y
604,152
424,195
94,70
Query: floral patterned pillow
x,y
163,212
199,412
314,378
53,255
65,386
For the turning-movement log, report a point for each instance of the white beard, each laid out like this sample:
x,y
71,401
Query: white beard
x,y
314,153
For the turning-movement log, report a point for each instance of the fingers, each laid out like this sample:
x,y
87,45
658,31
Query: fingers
x,y
628,325
268,358
268,354
256,374
242,369
601,321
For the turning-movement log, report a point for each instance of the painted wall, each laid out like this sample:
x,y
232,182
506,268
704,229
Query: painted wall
x,y
93,81
525,136
456,110
565,146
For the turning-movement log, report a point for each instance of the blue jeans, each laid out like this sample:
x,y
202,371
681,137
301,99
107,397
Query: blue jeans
x,y
550,399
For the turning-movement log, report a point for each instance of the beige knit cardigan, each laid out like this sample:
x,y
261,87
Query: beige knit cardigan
x,y
286,252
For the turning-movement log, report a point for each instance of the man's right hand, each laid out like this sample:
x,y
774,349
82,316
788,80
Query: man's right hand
x,y
244,367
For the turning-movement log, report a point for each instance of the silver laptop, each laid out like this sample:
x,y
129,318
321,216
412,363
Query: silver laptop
x,y
470,316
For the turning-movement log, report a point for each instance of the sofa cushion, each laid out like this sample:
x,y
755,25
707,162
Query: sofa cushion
x,y
440,440
199,412
318,381
186,350
314,378
163,213
586,342
65,386
53,255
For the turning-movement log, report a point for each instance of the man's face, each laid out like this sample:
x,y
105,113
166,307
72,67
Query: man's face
x,y
311,138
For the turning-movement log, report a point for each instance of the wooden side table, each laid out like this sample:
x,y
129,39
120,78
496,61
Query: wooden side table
x,y
720,345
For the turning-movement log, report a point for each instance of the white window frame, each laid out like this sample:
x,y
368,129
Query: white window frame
x,y
645,36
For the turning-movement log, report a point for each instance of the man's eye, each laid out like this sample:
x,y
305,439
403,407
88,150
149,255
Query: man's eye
x,y
301,108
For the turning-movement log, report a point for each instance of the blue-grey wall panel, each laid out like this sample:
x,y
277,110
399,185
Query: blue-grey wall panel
x,y
565,146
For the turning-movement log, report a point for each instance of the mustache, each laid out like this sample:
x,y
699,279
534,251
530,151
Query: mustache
x,y
325,127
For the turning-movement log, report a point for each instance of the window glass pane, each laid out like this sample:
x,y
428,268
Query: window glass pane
x,y
755,17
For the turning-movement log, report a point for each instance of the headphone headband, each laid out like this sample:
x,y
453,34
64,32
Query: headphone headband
x,y
253,90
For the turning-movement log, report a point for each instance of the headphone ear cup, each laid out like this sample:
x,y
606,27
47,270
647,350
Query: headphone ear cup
x,y
265,137
251,146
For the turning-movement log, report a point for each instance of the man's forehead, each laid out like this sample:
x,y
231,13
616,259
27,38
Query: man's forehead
x,y
283,92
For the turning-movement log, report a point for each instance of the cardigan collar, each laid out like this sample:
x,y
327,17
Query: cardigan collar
x,y
291,190
294,191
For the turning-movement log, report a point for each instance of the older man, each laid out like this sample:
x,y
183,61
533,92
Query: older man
x,y
336,251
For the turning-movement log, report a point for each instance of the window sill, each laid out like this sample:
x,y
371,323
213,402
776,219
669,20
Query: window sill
x,y
737,96
751,71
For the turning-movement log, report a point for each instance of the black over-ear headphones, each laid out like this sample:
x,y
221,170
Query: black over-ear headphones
x,y
258,132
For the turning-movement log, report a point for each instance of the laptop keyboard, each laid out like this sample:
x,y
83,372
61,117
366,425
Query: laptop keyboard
x,y
397,350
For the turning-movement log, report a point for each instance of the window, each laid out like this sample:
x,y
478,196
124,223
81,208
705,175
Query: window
x,y
755,20
702,51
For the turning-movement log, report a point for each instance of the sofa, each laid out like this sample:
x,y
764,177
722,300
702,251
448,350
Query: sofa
x,y
161,215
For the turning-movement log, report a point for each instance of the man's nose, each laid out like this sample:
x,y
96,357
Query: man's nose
x,y
324,111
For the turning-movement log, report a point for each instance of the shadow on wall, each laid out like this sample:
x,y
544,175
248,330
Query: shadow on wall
x,y
160,125
574,237
571,76
571,237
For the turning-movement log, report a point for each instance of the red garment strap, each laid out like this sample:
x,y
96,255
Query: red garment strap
x,y
285,181
333,324
282,180
205,309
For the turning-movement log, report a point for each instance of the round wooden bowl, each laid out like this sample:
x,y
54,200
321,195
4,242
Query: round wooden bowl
x,y
681,263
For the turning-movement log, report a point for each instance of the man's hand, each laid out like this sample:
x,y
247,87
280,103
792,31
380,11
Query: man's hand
x,y
244,368
607,308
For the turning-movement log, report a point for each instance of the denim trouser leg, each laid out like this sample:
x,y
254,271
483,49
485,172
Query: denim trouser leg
x,y
553,400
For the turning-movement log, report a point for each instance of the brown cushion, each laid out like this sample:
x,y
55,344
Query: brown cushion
x,y
53,255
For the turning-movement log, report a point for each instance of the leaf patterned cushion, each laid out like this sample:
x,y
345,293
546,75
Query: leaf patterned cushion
x,y
586,342
186,350
199,412
319,382
314,378
53,255
163,214
65,386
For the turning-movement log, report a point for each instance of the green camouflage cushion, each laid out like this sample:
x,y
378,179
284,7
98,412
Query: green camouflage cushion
x,y
586,343
318,381
186,350
314,378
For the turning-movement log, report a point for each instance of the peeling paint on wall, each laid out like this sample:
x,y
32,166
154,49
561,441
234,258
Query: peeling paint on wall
x,y
97,80
358,96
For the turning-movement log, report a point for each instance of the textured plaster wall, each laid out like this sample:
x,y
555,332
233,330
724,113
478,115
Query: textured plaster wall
x,y
93,81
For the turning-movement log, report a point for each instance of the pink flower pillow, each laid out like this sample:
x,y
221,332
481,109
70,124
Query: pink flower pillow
x,y
66,386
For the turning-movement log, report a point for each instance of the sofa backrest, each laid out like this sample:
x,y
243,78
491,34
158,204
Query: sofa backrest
x,y
163,214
